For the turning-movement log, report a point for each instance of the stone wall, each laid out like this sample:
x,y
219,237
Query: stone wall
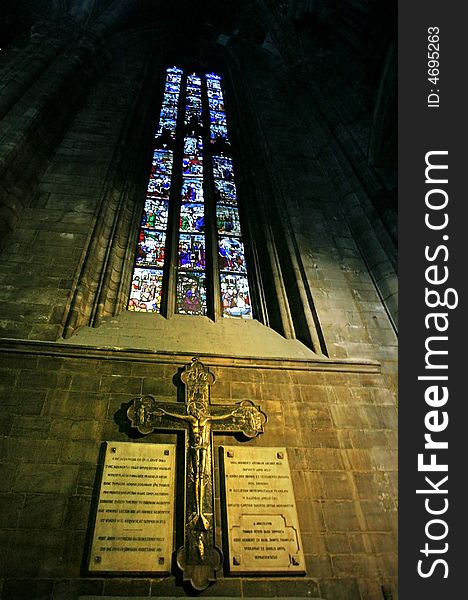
x,y
345,254
60,402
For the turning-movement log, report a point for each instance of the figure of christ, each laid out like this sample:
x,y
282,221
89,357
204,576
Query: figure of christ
x,y
199,443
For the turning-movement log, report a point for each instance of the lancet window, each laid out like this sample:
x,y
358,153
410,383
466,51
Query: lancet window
x,y
190,255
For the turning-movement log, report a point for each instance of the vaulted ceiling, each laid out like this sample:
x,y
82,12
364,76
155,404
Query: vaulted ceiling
x,y
364,24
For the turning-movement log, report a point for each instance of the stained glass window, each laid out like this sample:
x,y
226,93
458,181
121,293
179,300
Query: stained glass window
x,y
235,294
198,207
191,276
146,291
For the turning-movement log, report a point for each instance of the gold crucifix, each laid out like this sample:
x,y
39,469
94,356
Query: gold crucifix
x,y
199,557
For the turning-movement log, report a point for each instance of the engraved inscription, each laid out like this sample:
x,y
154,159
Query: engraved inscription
x,y
261,515
134,520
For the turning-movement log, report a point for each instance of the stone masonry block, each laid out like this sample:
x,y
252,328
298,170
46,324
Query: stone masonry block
x,y
42,511
337,485
329,459
59,479
120,384
341,516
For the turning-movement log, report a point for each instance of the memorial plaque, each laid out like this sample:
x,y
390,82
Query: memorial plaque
x,y
135,514
260,512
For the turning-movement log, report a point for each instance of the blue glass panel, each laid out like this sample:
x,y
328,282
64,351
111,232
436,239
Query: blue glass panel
x,y
225,192
151,248
192,190
170,99
218,118
192,166
191,294
191,251
231,255
222,168
173,78
193,146
194,102
160,185
145,295
172,88
215,94
166,125
162,162
194,80
235,296
216,104
155,213
218,131
192,218
193,88
227,219
213,82
168,113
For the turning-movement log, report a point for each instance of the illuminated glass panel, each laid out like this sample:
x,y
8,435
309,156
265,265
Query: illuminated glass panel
x,y
218,124
151,248
193,146
222,168
146,290
145,295
192,253
192,190
155,214
162,163
231,255
225,192
192,166
187,135
193,102
191,294
192,218
227,218
160,184
235,296
191,279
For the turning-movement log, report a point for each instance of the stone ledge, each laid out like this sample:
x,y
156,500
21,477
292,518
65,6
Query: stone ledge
x,y
65,350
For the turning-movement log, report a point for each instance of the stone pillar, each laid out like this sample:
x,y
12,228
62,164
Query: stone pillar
x,y
40,92
355,183
48,39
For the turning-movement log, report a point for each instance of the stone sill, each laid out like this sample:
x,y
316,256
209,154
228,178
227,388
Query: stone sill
x,y
65,349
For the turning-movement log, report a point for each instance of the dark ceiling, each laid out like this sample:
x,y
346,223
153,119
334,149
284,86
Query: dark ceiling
x,y
186,18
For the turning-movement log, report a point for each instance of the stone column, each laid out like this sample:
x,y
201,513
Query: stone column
x,y
41,90
355,183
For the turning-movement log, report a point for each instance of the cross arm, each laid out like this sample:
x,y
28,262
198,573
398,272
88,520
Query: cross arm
x,y
244,417
146,414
